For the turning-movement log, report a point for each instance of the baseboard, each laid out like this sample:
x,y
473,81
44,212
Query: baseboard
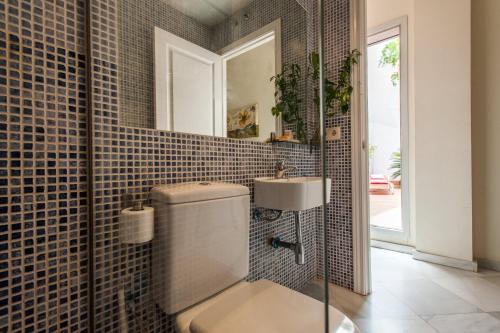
x,y
446,261
489,264
392,246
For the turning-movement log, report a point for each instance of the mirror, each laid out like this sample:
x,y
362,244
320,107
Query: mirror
x,y
206,66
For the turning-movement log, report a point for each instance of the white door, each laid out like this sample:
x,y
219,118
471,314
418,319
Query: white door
x,y
387,88
188,86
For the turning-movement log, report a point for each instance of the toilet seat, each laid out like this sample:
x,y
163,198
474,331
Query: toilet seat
x,y
261,306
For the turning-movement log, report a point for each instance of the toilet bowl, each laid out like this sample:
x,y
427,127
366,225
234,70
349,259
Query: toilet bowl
x,y
201,261
261,306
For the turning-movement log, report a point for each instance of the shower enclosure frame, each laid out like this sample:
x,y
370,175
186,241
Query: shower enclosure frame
x,y
323,162
359,121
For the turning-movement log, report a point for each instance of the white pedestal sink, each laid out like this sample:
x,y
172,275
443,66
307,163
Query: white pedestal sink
x,y
292,194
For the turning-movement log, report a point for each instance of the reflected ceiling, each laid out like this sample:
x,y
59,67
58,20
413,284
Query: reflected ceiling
x,y
208,12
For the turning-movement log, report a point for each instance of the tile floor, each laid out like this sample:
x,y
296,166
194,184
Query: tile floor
x,y
411,296
385,210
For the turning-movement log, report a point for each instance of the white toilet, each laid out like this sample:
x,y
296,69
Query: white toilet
x,y
200,262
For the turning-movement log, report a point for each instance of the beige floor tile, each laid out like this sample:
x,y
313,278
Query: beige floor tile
x,y
380,304
427,298
395,269
394,325
410,296
478,291
466,323
495,314
493,279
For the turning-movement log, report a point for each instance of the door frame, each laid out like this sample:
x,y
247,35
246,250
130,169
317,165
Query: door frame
x,y
387,235
359,149
359,164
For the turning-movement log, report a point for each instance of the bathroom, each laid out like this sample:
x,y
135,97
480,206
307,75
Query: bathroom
x,y
202,166
91,127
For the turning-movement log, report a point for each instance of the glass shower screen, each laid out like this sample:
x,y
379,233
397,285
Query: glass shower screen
x,y
203,113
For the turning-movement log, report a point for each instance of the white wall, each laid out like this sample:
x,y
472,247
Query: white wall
x,y
380,12
443,127
439,73
486,128
248,82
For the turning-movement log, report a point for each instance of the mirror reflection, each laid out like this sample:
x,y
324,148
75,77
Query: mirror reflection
x,y
209,66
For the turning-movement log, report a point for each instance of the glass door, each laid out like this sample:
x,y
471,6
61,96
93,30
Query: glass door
x,y
388,133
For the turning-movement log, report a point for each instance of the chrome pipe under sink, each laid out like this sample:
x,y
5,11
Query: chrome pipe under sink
x,y
298,246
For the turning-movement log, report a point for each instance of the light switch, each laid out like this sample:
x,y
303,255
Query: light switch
x,y
333,133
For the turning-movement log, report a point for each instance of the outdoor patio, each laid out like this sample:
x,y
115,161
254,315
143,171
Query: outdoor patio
x,y
385,210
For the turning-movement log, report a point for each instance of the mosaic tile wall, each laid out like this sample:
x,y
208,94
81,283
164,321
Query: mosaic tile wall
x,y
43,176
136,22
128,160
153,157
338,156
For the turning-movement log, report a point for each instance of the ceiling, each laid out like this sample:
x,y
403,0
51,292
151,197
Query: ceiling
x,y
208,12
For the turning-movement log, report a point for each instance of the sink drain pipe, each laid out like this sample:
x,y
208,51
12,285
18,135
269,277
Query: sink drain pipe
x,y
298,246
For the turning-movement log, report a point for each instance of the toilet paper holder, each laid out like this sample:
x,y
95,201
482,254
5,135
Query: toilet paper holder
x,y
129,201
137,205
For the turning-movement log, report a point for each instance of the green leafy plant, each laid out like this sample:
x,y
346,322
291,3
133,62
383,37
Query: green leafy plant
x,y
287,98
339,92
342,91
390,57
396,165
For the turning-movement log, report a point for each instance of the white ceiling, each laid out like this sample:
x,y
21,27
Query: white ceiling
x,y
208,12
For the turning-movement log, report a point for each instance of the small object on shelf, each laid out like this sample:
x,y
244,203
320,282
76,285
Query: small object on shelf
x,y
286,137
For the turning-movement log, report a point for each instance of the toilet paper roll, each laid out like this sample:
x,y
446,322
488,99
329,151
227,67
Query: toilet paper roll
x,y
136,226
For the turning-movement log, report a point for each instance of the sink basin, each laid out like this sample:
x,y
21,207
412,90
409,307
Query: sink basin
x,y
299,193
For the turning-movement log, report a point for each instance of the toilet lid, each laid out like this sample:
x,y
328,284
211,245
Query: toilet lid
x,y
266,307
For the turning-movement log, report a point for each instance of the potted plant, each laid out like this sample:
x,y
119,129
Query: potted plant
x,y
287,97
396,168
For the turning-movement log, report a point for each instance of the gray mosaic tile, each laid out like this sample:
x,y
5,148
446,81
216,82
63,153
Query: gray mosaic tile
x,y
43,175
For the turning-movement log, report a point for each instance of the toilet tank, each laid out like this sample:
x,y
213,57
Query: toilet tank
x,y
201,241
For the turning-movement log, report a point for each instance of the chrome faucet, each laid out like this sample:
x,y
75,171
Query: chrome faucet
x,y
282,169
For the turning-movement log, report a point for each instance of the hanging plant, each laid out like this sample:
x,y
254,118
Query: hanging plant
x,y
287,98
339,92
